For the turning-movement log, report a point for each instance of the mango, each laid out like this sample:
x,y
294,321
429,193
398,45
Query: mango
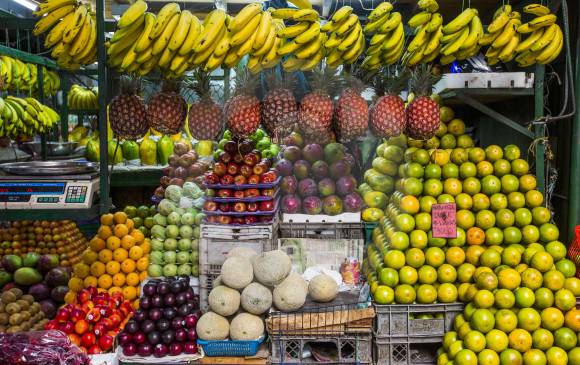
x,y
372,214
92,151
204,148
164,149
130,150
375,199
148,151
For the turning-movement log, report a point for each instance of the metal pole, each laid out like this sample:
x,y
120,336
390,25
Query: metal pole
x,y
64,108
102,82
540,128
40,80
574,184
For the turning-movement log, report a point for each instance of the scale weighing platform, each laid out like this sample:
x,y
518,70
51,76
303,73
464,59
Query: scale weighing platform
x,y
43,190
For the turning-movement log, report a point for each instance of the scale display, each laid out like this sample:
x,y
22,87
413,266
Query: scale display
x,y
16,194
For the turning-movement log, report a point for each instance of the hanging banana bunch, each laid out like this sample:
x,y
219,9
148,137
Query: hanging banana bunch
x,y
461,36
72,32
501,36
388,37
426,44
82,98
25,116
544,40
20,76
345,40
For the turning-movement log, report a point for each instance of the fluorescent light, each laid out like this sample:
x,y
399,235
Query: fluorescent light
x,y
27,4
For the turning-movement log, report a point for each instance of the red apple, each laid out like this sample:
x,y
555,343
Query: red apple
x,y
266,218
225,157
94,314
266,206
67,327
77,314
99,329
268,192
233,168
239,194
238,220
220,168
106,342
115,319
259,169
268,177
254,179
240,180
62,315
227,180
251,219
88,340
211,177
240,207
210,206
84,295
252,207
238,158
213,219
224,207
94,350
51,325
224,219
224,193
251,159
252,193
246,170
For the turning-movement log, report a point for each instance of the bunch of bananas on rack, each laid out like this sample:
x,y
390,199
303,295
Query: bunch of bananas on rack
x,y
302,43
545,39
25,116
388,40
82,98
501,36
19,76
72,32
461,36
426,44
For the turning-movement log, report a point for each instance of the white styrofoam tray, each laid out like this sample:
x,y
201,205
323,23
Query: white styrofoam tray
x,y
321,218
485,80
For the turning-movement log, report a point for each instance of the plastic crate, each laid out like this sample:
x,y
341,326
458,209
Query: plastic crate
x,y
322,230
350,349
230,348
241,233
409,351
369,228
394,320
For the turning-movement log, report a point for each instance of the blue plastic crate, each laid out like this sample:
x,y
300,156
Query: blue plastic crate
x,y
230,348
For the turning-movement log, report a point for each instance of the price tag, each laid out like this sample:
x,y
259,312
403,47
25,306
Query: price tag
x,y
443,220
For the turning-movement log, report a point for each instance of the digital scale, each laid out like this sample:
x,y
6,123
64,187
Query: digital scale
x,y
49,185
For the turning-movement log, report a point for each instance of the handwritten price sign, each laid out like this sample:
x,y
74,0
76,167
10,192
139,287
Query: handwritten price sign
x,y
444,220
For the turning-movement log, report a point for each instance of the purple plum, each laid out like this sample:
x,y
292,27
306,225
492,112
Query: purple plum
x,y
332,205
307,187
284,167
339,169
326,187
319,170
345,185
312,205
353,203
289,185
291,204
301,169
313,152
292,153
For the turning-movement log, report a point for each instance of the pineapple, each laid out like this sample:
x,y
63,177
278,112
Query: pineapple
x,y
205,119
388,117
352,111
316,108
423,112
279,106
243,111
127,113
167,110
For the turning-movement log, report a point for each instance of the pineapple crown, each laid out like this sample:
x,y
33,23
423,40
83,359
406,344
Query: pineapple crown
x,y
354,80
324,80
200,84
279,80
244,82
422,80
387,82
130,85
171,86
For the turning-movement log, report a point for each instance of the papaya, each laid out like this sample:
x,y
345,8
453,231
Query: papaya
x,y
92,151
164,149
130,150
114,152
148,151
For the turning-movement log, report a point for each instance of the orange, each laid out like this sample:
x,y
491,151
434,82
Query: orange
x,y
90,256
505,320
472,254
455,256
532,278
142,264
542,261
415,257
520,340
405,294
509,279
75,284
483,299
129,292
130,224
120,217
97,244
113,243
128,241
104,232
573,284
120,254
128,266
556,356
490,258
410,204
525,297
564,300
119,279
534,357
475,236
121,230
482,320
542,339
544,298
465,272
572,319
426,294
504,299
70,297
384,295
138,235
485,280
136,253
132,279
146,246
105,256
565,338
446,274
113,267
554,280
115,289
427,274
574,356
143,275
97,269
510,356
107,219
105,281
394,259
475,341
90,281
434,256
527,183
446,293
488,357
529,319
552,318
408,275
465,219
566,267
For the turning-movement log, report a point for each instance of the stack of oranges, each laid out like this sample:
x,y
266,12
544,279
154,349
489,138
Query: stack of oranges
x,y
116,260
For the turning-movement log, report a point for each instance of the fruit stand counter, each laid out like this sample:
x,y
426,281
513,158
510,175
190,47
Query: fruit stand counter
x,y
136,176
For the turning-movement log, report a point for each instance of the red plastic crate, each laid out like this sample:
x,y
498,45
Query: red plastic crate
x,y
574,250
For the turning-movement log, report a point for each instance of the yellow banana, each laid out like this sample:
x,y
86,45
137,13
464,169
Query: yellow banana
x,y
419,19
498,23
488,38
311,34
292,64
263,30
333,41
508,51
167,12
293,30
301,4
246,47
134,12
74,28
374,25
378,38
247,32
310,64
143,41
193,33
129,58
50,6
305,15
532,38
211,30
475,33
269,43
166,57
82,39
536,9
460,21
242,19
429,5
395,37
434,41
223,46
508,32
272,53
394,20
347,25
177,62
543,21
285,13
162,41
46,22
56,33
356,49
381,9
454,46
546,38
213,62
553,53
136,26
342,13
351,38
310,49
525,28
203,56
288,47
434,23
144,56
330,26
180,33
419,40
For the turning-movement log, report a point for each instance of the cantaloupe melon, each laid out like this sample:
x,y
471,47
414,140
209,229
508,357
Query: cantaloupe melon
x,y
246,327
212,326
223,300
237,272
272,267
243,252
256,298
217,281
323,288
290,295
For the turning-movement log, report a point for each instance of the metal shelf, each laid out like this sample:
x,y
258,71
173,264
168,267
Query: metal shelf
x,y
27,57
50,214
